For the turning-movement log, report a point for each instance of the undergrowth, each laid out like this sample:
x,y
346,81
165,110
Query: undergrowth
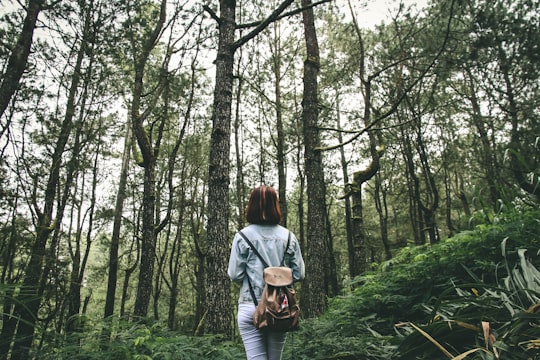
x,y
474,296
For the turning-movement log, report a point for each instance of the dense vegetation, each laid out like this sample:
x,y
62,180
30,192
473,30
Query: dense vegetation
x,y
405,154
447,291
487,278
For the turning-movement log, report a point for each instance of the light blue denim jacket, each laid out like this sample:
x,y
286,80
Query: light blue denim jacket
x,y
270,242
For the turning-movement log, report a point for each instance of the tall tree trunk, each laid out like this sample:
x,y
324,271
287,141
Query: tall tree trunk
x,y
130,269
29,301
487,157
359,258
347,198
332,289
201,302
358,254
313,300
431,202
301,191
174,271
19,56
80,257
9,322
219,314
240,192
148,241
448,201
280,140
413,184
358,265
149,154
382,210
117,224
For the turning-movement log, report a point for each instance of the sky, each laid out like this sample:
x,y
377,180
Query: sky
x,y
371,12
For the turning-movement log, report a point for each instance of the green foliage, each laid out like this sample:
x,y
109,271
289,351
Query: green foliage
x,y
476,295
476,280
139,342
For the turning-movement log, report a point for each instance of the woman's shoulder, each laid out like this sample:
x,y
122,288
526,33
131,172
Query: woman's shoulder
x,y
265,231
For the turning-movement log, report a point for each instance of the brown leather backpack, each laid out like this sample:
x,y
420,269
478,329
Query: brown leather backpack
x,y
278,309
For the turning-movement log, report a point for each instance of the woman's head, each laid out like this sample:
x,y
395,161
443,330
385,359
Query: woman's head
x,y
263,206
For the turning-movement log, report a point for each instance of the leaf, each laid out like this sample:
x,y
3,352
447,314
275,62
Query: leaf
x,y
433,341
467,353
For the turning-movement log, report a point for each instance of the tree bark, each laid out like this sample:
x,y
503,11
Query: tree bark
x,y
19,56
29,301
149,153
219,314
487,156
382,210
280,134
347,198
117,224
313,300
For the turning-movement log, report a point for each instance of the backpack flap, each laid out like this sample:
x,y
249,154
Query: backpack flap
x,y
278,276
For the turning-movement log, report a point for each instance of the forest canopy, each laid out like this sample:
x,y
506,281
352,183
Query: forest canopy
x,y
132,131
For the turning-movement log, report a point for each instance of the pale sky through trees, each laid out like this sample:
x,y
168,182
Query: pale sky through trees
x,y
371,12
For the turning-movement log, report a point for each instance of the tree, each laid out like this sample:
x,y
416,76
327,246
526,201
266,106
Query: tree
x,y
218,168
50,212
117,224
149,152
500,30
313,300
19,55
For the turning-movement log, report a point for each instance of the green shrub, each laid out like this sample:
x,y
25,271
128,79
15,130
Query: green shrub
x,y
142,342
450,288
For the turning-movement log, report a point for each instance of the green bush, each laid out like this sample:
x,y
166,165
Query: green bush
x,y
451,289
141,342
475,295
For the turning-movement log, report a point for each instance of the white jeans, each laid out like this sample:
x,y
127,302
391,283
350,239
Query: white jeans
x,y
259,345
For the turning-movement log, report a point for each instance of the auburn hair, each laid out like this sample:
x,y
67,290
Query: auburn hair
x,y
263,206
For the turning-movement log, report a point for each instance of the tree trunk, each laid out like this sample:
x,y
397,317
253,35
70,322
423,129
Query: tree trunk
x,y
117,224
219,314
240,193
149,153
382,210
129,271
201,302
358,255
301,198
29,300
313,300
280,140
19,56
174,273
9,322
332,289
487,157
413,184
431,203
347,185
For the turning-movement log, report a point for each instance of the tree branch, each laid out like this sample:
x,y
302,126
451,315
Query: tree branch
x,y
287,14
212,14
407,90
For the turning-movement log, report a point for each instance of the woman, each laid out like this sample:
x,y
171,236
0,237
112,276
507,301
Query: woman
x,y
270,239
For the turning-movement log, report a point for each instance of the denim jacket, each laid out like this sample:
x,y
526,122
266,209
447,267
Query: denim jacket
x,y
270,242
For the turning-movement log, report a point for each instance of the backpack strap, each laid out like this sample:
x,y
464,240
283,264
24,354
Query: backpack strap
x,y
252,292
254,249
286,248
